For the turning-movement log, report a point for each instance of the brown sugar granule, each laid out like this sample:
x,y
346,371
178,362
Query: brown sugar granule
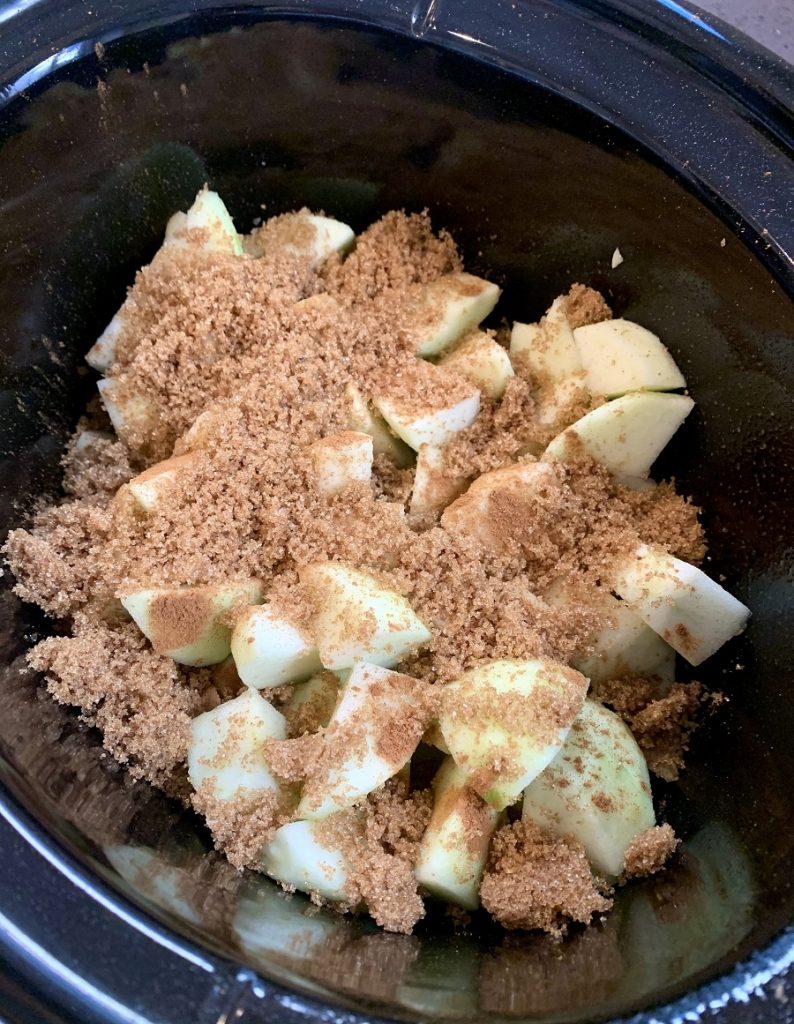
x,y
648,852
585,305
95,466
295,759
535,880
240,827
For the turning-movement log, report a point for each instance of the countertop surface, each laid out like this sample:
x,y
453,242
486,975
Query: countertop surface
x,y
770,22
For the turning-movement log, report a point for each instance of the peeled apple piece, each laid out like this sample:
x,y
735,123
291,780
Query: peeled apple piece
x,y
695,615
102,354
483,361
149,487
269,651
428,405
317,698
449,307
596,789
305,234
226,751
625,435
549,347
340,460
372,734
131,415
455,844
212,223
384,442
433,488
357,618
504,722
620,356
300,856
182,622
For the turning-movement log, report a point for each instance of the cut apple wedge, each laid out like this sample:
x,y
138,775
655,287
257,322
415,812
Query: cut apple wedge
x,y
449,307
504,722
620,356
102,354
361,418
428,405
182,622
357,618
226,753
86,439
303,854
150,487
303,234
695,615
132,416
340,460
374,730
207,225
625,435
482,361
548,348
434,488
312,702
455,844
596,789
269,651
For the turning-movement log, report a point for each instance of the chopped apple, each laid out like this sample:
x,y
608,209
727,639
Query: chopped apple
x,y
549,347
374,730
384,442
313,702
149,487
695,615
434,488
620,356
269,651
504,722
206,225
433,737
86,439
340,460
227,744
625,435
483,361
455,844
357,618
102,354
303,854
183,622
303,234
596,789
132,416
428,405
449,307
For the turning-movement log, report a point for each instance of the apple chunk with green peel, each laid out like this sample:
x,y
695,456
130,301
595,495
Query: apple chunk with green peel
x,y
226,755
504,722
625,435
361,418
434,488
340,460
596,789
548,348
427,404
455,844
303,854
183,622
150,487
483,361
268,650
448,308
372,734
695,615
620,356
357,618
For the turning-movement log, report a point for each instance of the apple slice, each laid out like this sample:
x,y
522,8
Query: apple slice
x,y
227,744
341,460
695,615
102,354
269,651
374,730
455,844
620,356
312,703
627,647
356,618
504,722
151,486
433,488
303,854
428,405
182,622
625,435
384,442
596,789
548,348
86,439
482,361
449,307
132,416
303,234
207,225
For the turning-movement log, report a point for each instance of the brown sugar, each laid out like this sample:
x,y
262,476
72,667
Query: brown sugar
x,y
585,305
648,852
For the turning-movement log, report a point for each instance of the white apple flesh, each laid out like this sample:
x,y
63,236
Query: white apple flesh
x,y
207,225
620,356
150,487
132,416
548,348
434,487
270,651
361,418
298,856
448,405
483,362
449,308
340,460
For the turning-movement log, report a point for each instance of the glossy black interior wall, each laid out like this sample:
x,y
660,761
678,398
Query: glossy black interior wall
x,y
539,193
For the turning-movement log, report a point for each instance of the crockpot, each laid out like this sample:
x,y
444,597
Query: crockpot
x,y
545,134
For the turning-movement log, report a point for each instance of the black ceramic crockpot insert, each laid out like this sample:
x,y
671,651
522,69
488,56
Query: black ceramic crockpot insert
x,y
111,905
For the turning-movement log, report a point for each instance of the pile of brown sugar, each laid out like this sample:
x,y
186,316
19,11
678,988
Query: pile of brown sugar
x,y
261,351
